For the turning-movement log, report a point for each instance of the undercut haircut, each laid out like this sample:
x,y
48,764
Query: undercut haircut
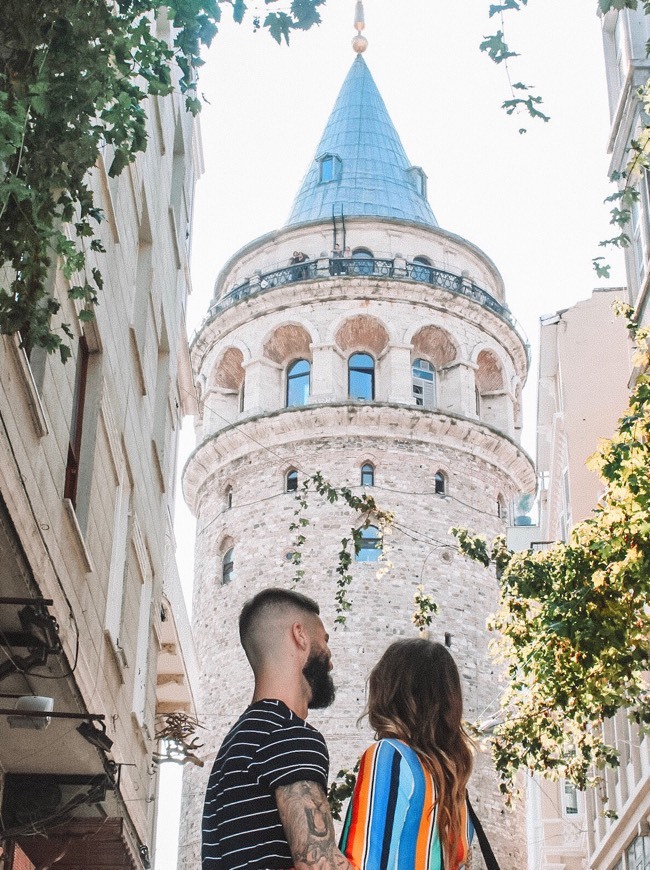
x,y
268,602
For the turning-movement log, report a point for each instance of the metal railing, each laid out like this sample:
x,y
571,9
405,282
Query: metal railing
x,y
376,267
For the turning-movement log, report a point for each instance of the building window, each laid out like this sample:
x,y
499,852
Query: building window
x,y
330,168
440,483
76,425
638,854
421,269
361,376
291,484
364,262
370,548
501,507
228,498
227,566
424,384
419,180
570,798
242,396
368,474
298,383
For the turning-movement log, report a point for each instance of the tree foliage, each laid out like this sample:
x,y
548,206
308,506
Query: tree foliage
x,y
573,624
74,76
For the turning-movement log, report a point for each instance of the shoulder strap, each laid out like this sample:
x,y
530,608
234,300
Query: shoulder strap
x,y
490,861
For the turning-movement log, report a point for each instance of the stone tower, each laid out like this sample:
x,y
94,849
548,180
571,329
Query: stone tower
x,y
387,360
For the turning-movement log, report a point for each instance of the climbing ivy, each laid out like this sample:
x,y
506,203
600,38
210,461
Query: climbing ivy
x,y
74,75
366,511
573,624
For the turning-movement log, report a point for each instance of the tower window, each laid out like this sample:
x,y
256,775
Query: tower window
x,y
370,548
440,483
227,566
330,168
228,497
501,507
421,269
419,179
424,383
291,483
368,474
298,383
365,262
361,376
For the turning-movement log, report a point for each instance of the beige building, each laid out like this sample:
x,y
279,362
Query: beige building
x,y
625,36
93,630
584,372
388,360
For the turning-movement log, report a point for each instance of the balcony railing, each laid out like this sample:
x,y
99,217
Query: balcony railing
x,y
370,267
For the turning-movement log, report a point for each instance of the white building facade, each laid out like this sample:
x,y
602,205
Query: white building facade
x,y
92,621
388,361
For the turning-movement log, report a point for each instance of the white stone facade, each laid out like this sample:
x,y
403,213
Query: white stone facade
x,y
102,553
248,440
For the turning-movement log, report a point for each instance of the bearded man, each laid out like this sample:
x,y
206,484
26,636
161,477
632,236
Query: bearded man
x,y
266,806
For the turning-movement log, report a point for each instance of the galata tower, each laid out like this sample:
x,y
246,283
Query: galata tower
x,y
364,342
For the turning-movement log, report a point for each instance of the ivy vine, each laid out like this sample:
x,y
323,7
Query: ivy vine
x,y
74,76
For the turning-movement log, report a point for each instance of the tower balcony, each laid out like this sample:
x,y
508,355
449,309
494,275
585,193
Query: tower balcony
x,y
396,268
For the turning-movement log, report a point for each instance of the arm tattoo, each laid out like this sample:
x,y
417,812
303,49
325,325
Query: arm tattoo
x,y
307,822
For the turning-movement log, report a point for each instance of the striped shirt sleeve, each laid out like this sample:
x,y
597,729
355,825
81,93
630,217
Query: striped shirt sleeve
x,y
291,754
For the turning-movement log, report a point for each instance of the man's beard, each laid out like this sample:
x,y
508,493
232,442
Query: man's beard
x,y
317,674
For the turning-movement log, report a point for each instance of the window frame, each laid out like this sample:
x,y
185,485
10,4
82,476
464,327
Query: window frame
x,y
293,378
376,540
367,470
362,370
440,483
227,566
291,480
433,402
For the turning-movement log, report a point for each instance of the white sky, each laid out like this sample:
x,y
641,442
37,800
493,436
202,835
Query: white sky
x,y
532,202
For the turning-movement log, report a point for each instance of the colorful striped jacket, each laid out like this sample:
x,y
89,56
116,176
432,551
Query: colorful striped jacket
x,y
391,822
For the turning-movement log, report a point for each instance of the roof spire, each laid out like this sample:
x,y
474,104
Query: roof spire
x,y
359,43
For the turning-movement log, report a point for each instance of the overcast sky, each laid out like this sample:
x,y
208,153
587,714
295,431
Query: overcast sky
x,y
532,202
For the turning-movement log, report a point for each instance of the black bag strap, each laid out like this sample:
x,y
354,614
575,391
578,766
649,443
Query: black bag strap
x,y
490,861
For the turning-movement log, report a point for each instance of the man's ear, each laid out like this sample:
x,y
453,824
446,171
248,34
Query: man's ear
x,y
299,636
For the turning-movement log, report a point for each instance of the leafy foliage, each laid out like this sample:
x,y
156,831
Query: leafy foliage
x,y
573,625
73,77
363,505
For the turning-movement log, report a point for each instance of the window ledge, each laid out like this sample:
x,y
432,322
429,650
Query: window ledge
x,y
36,408
117,655
78,535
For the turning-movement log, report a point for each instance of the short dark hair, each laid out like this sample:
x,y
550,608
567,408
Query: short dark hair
x,y
270,598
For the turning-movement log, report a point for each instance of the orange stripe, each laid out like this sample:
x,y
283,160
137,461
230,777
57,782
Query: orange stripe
x,y
361,806
423,844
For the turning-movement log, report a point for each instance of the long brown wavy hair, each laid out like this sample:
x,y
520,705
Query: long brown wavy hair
x,y
414,694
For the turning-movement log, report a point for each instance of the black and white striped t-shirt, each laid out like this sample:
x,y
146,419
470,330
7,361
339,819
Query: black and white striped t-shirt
x,y
267,747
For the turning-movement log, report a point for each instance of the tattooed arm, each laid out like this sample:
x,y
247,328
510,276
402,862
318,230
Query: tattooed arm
x,y
307,822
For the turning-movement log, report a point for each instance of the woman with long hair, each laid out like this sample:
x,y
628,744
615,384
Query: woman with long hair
x,y
409,810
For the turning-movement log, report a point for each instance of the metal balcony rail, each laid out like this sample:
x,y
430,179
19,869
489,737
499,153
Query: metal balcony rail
x,y
377,267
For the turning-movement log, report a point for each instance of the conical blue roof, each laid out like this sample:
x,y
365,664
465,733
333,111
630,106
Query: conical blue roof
x,y
360,166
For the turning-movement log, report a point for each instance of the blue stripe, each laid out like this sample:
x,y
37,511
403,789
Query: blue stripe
x,y
390,809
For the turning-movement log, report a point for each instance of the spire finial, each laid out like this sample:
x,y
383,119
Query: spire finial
x,y
359,43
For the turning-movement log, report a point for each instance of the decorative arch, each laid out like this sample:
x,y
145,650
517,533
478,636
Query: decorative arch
x,y
362,332
229,373
436,345
289,341
489,373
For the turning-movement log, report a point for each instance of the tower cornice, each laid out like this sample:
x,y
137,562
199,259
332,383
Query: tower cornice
x,y
272,431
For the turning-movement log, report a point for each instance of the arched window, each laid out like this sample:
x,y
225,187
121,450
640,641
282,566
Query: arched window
x,y
298,383
370,549
440,483
501,507
367,474
227,566
228,497
361,376
365,262
424,383
291,483
421,270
